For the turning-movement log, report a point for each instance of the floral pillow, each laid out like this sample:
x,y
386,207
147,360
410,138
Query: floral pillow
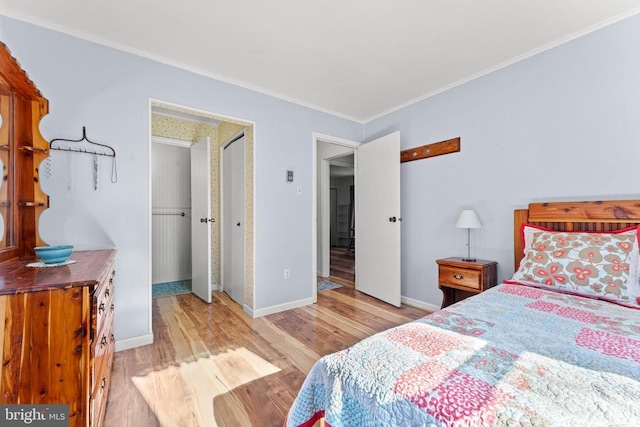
x,y
597,265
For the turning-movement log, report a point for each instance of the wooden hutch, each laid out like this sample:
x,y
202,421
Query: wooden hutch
x,y
56,324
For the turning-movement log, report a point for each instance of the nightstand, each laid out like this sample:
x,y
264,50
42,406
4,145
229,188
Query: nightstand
x,y
471,277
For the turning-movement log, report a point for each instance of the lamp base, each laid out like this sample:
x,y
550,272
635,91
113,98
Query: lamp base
x,y
469,259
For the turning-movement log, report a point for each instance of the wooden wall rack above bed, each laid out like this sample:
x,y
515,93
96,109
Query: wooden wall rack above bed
x,y
430,150
604,216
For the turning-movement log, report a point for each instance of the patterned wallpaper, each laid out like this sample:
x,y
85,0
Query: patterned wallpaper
x,y
186,130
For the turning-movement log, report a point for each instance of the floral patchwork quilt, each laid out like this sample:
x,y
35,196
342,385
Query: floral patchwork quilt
x,y
513,355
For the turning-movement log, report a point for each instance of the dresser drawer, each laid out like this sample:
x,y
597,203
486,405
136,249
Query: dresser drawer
x,y
102,349
460,278
103,302
98,402
102,367
102,346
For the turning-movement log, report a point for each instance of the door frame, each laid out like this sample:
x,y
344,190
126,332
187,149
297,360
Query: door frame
x,y
235,137
151,102
319,137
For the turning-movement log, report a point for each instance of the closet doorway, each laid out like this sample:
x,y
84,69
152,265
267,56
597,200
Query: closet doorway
x,y
176,225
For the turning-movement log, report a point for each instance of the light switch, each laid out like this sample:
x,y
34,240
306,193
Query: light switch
x,y
299,190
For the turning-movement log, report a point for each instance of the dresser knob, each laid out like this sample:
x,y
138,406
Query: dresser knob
x,y
101,307
103,341
103,383
458,276
112,306
106,292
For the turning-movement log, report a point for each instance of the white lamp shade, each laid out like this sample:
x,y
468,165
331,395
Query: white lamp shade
x,y
468,219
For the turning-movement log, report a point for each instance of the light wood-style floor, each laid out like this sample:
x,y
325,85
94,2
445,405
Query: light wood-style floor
x,y
342,266
214,365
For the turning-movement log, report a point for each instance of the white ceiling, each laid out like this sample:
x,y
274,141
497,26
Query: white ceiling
x,y
358,59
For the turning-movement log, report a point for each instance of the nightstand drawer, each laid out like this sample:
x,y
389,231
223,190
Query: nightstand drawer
x,y
460,278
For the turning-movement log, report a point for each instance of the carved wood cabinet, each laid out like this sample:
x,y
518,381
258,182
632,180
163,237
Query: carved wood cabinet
x,y
56,334
22,149
56,324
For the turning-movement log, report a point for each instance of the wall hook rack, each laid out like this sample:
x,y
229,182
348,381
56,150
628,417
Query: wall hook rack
x,y
85,145
91,149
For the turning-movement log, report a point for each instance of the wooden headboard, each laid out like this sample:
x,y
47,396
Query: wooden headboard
x,y
605,216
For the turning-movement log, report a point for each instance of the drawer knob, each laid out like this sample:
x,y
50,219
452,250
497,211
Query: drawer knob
x,y
103,341
458,276
113,338
106,293
103,383
101,307
112,306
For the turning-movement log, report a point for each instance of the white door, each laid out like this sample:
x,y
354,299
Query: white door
x,y
377,224
233,220
201,219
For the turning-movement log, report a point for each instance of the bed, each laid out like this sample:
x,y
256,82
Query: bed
x,y
558,344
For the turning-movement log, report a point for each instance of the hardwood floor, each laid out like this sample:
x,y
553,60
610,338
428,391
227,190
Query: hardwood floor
x,y
214,365
343,266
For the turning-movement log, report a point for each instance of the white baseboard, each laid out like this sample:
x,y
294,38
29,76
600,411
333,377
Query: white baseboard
x,y
419,304
277,308
133,342
248,310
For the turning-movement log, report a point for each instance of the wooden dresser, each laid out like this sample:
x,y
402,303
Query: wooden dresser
x,y
56,330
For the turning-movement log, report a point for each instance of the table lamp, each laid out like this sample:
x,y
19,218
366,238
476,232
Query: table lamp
x,y
468,219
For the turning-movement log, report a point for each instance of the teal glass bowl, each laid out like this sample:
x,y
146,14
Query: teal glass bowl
x,y
54,254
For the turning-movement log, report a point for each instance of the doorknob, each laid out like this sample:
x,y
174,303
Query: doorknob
x,y
207,220
392,219
238,224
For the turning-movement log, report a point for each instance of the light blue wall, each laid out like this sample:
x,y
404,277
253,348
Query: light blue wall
x,y
562,125
108,91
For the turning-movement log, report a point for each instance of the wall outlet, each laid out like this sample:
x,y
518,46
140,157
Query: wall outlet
x,y
287,274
